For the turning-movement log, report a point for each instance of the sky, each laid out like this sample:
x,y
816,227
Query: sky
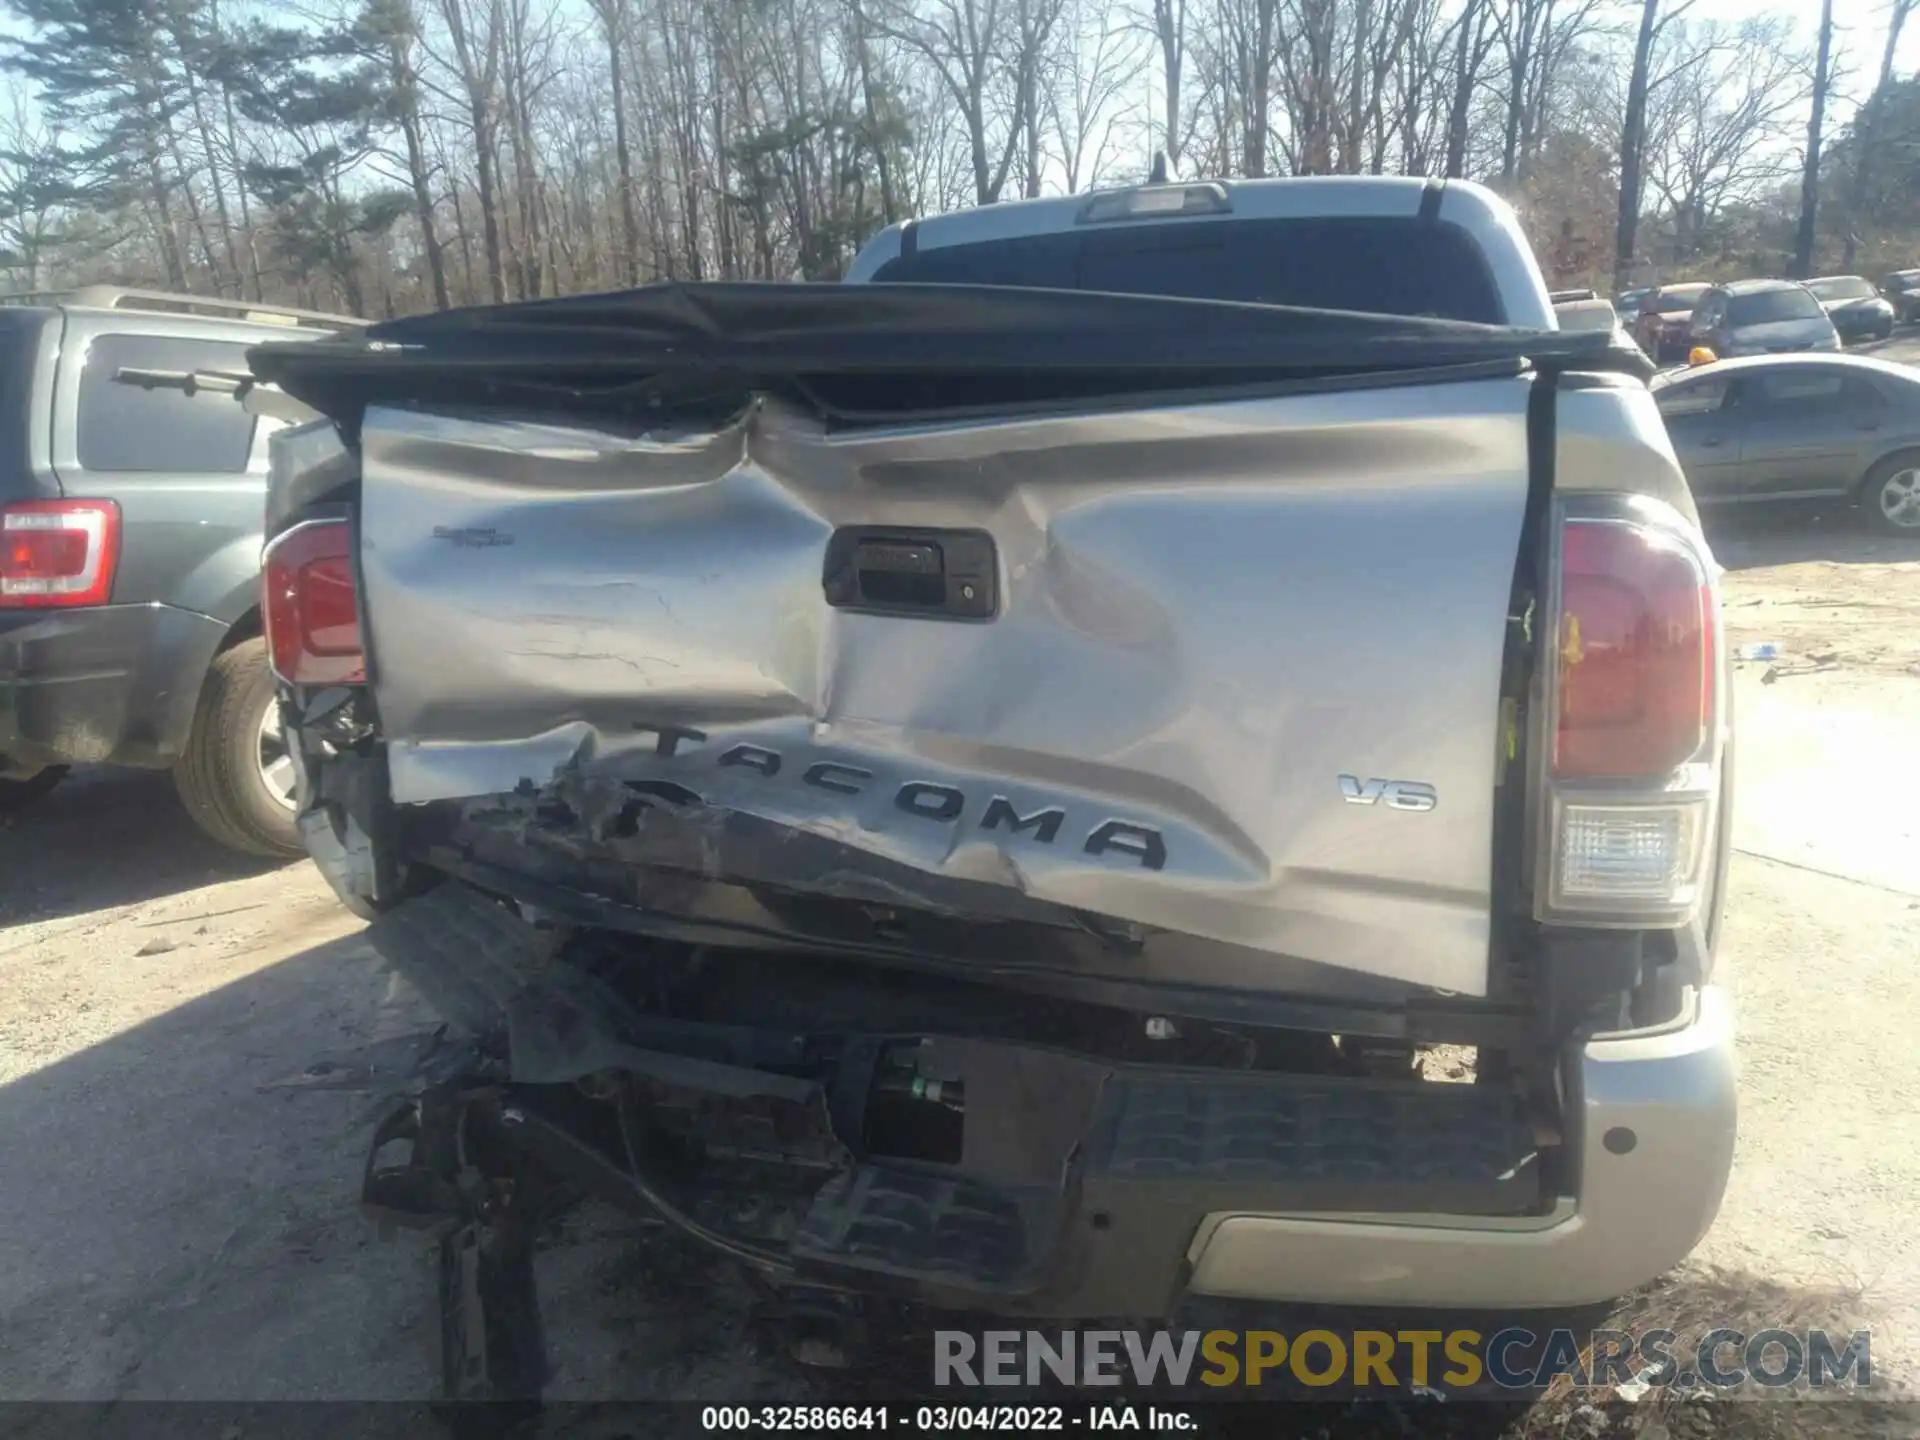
x,y
1859,34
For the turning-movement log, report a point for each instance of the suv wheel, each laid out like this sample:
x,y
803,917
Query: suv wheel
x,y
1890,499
235,777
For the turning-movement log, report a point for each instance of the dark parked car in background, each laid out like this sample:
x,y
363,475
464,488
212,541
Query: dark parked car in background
x,y
1761,317
1857,310
1662,326
1777,427
131,499
1902,291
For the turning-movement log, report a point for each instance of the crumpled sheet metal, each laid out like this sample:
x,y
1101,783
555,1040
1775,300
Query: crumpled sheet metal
x,y
1210,613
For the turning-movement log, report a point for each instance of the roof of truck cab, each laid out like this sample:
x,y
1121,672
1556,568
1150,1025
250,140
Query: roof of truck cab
x,y
1471,206
1251,199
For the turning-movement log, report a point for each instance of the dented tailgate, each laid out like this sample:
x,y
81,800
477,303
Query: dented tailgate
x,y
1237,675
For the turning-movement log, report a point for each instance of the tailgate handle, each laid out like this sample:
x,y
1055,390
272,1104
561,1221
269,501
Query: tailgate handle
x,y
930,574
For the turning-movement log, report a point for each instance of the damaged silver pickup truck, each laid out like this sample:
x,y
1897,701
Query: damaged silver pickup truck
x,y
1167,742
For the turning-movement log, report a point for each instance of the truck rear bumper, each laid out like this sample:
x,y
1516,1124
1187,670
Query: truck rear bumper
x,y
1656,1114
108,684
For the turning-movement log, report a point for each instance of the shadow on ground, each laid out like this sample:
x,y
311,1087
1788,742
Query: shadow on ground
x,y
1794,532
104,838
171,1231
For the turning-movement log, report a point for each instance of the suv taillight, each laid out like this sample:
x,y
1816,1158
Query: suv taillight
x,y
58,552
1634,721
310,609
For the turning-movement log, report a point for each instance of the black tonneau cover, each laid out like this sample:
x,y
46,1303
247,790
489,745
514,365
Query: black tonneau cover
x,y
863,351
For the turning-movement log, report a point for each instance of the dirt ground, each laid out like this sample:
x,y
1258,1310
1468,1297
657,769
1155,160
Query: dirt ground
x,y
169,1229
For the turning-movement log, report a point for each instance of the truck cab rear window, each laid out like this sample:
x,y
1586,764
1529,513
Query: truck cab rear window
x,y
1375,264
128,427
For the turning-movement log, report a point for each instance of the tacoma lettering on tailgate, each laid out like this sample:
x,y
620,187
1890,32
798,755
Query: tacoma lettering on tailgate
x,y
924,798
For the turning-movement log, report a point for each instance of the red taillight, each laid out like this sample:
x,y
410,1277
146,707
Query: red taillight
x,y
58,552
1636,659
310,609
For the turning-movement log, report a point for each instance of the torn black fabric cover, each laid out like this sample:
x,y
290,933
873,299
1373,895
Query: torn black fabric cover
x,y
838,347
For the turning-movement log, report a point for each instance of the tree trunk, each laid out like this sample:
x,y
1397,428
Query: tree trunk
x,y
196,93
194,218
1860,188
1632,140
169,236
479,86
612,13
1170,24
526,183
1259,63
468,290
1810,176
1519,59
489,205
1460,110
985,192
1353,125
882,157
246,209
406,97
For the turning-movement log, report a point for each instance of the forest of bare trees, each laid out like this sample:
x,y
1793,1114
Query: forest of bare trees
x,y
386,156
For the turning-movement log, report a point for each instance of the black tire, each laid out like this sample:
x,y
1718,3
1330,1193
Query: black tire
x,y
18,794
1902,468
218,776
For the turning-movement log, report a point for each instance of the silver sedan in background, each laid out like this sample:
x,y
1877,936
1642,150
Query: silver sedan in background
x,y
1791,427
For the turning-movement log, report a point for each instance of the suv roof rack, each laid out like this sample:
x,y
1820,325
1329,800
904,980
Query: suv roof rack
x,y
118,297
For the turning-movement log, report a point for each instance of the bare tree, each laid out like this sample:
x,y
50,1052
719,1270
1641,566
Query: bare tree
x,y
877,131
1810,173
31,191
1717,114
1246,37
476,62
1170,34
1865,126
1473,37
962,43
391,29
1095,71
1536,36
528,147
1308,65
1633,135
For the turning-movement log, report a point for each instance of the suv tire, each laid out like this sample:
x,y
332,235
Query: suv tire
x,y
219,775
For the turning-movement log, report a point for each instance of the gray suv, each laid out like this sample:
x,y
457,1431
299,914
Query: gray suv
x,y
1762,317
131,478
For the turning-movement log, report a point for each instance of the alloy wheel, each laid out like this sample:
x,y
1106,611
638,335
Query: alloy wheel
x,y
1900,498
276,763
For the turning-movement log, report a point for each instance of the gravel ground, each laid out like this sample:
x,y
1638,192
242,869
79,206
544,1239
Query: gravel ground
x,y
171,1230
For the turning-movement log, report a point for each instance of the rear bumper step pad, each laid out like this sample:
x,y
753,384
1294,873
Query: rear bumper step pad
x,y
1163,1153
